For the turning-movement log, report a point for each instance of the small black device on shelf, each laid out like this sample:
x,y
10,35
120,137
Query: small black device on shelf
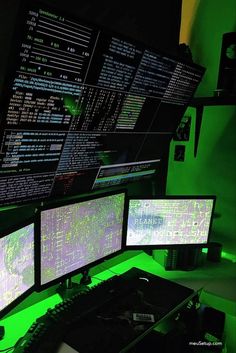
x,y
226,85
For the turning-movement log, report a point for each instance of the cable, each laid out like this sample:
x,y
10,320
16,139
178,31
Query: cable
x,y
108,269
6,350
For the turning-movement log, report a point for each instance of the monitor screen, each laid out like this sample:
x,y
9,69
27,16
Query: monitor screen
x,y
16,266
77,97
77,235
171,221
118,174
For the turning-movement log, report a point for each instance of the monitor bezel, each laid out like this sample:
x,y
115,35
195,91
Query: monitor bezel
x,y
42,286
157,161
29,291
11,66
171,246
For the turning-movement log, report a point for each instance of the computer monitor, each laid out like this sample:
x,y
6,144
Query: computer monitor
x,y
17,277
124,173
74,236
78,96
169,221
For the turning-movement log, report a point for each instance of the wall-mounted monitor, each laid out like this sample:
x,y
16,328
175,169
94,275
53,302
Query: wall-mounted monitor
x,y
118,174
169,221
17,266
76,236
78,97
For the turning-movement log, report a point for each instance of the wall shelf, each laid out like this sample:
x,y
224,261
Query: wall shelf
x,y
207,101
199,103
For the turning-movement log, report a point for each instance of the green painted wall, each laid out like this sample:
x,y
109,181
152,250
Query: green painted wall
x,y
213,171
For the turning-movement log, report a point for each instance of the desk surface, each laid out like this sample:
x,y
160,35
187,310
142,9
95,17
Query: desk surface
x,y
208,279
111,328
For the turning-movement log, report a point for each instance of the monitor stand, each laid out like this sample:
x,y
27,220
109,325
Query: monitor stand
x,y
86,278
68,289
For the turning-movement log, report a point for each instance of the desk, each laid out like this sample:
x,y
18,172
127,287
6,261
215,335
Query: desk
x,y
208,280
111,328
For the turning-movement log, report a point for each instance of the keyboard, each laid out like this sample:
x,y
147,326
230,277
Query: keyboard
x,y
105,311
45,334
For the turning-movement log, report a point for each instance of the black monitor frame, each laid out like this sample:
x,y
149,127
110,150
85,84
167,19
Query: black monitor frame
x,y
24,295
171,246
14,52
155,167
80,270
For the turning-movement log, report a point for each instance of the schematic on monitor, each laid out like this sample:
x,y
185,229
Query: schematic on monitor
x,y
16,266
76,235
169,221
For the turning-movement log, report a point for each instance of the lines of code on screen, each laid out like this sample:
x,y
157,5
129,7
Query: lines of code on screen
x,y
169,221
73,89
76,235
16,264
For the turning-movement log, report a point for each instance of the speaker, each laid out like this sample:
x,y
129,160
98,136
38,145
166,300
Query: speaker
x,y
183,258
227,69
189,258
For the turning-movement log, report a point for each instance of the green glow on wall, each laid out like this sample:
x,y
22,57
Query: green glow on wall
x,y
224,255
213,171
